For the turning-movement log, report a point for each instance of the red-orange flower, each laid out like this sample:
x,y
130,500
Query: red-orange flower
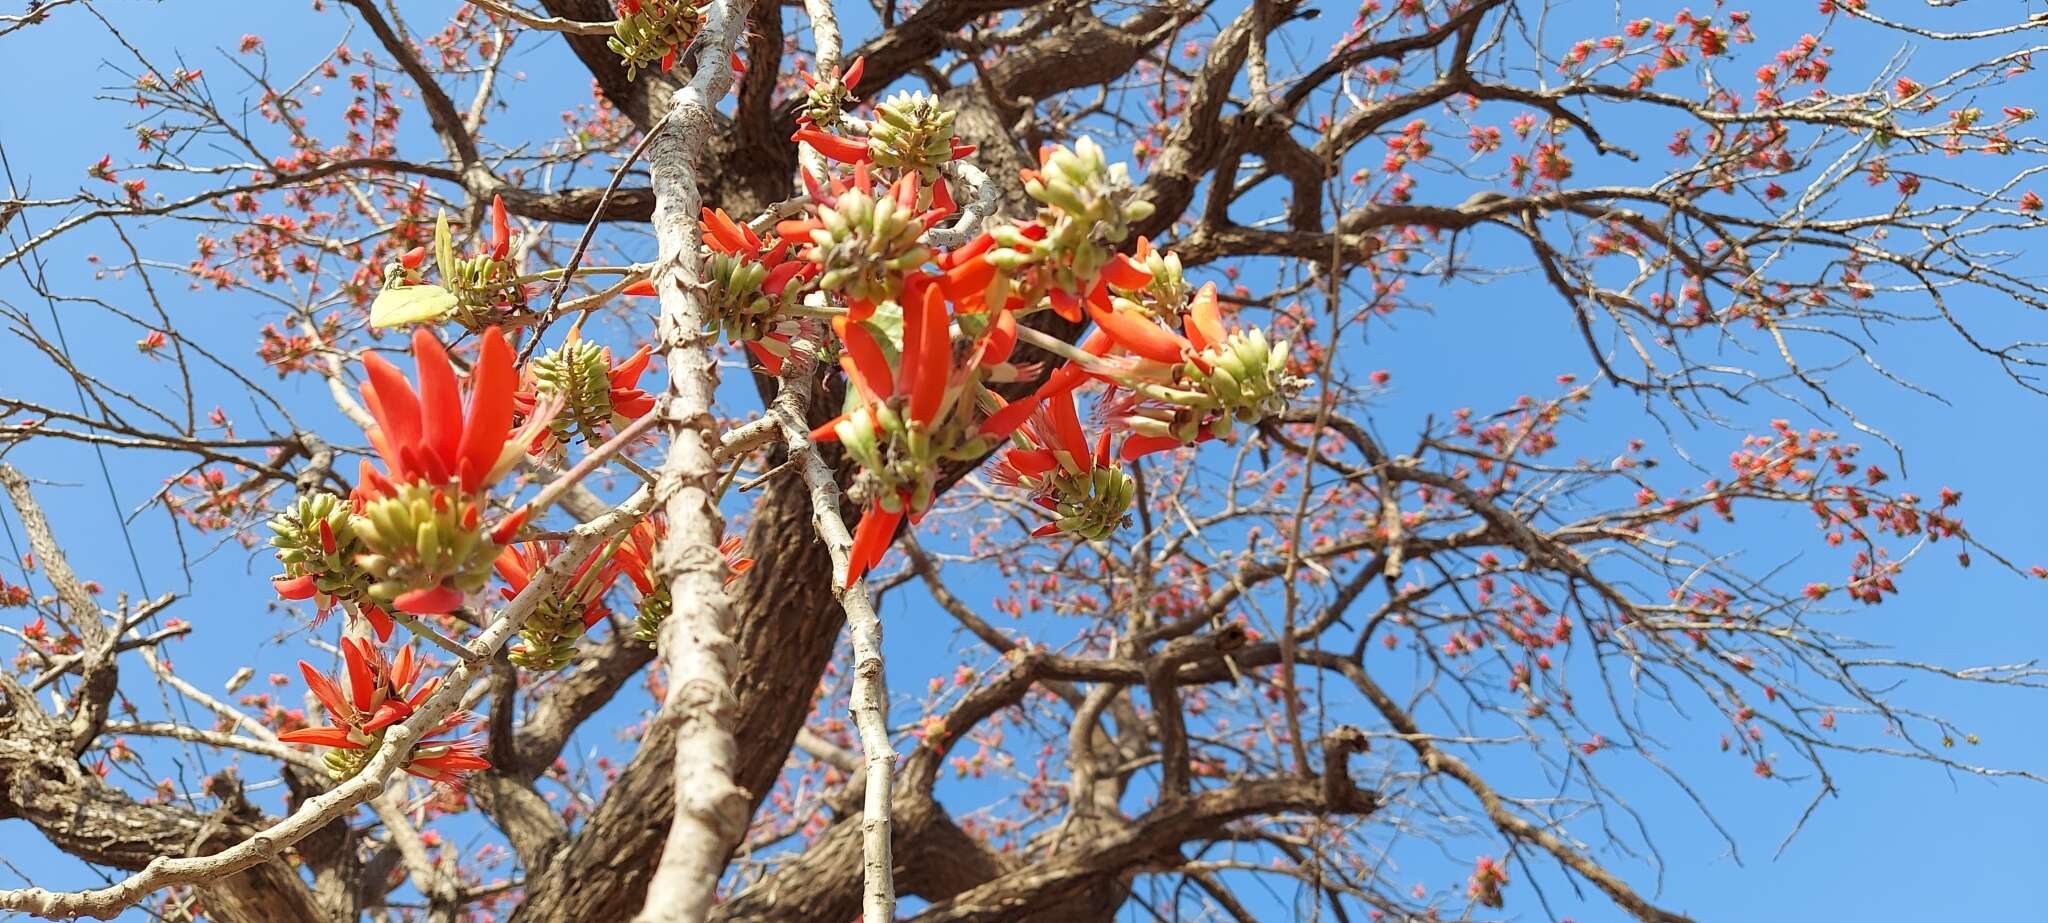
x,y
420,519
373,696
635,559
428,435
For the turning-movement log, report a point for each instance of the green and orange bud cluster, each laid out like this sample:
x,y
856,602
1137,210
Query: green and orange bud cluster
x,y
547,642
910,417
316,542
752,284
374,695
913,133
420,520
825,98
475,291
596,396
1069,250
651,32
1080,483
1198,385
426,547
865,245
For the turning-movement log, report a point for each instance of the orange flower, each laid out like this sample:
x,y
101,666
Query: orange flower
x,y
427,435
373,696
421,519
518,564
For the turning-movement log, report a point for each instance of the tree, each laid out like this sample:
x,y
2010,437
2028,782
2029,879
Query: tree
x,y
1117,424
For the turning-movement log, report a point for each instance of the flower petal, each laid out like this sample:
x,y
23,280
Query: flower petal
x,y
440,397
866,365
490,412
1138,334
433,600
1205,319
395,406
1002,423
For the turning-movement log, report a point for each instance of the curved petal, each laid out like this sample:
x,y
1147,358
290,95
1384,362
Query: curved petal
x,y
490,412
1030,462
1124,273
1139,334
866,365
871,539
1205,319
394,404
1066,431
627,374
320,737
1136,447
329,694
1001,338
433,600
927,349
1002,423
440,397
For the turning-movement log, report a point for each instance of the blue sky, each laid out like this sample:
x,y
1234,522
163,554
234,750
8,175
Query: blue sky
x,y
1905,841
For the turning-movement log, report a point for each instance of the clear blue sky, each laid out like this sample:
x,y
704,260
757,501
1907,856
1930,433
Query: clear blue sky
x,y
1905,841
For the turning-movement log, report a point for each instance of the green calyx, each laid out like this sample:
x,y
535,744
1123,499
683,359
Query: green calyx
x,y
548,640
1087,206
1093,505
654,609
912,132
580,373
826,101
867,246
745,310
317,536
902,458
343,765
654,29
1245,381
423,538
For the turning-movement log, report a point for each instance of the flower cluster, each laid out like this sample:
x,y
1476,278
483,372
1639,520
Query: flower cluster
x,y
548,639
375,694
596,395
1077,481
476,291
753,284
412,535
923,334
650,32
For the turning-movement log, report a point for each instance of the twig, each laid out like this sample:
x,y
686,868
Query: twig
x,y
544,23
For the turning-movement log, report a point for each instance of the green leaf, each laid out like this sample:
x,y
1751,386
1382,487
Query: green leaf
x,y
411,304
